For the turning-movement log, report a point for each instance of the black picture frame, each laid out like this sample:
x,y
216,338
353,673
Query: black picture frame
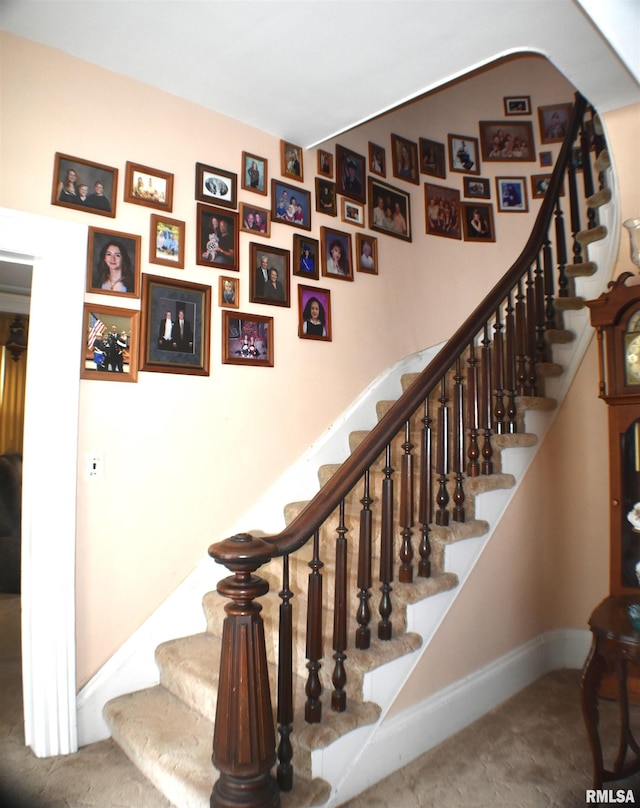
x,y
216,186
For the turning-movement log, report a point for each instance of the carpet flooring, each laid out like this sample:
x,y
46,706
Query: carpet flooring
x,y
530,752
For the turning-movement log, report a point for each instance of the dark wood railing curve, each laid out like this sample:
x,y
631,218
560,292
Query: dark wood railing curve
x,y
474,383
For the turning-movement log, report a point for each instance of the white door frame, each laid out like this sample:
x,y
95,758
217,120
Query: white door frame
x,y
57,251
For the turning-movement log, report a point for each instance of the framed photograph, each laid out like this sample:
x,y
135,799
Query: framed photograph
x,y
432,160
350,174
325,163
255,220
507,140
228,292
442,206
84,185
148,186
113,263
389,209
554,120
367,254
166,241
517,105
336,254
511,193
546,159
269,275
351,212
291,161
216,186
314,313
377,160
110,346
306,257
217,239
326,197
290,205
463,154
539,185
247,339
405,159
176,326
477,221
254,173
476,187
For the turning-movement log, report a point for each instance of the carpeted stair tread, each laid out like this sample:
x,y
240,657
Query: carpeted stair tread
x,y
514,440
305,793
488,482
569,303
599,198
583,270
549,369
458,531
538,403
559,336
596,233
603,161
190,667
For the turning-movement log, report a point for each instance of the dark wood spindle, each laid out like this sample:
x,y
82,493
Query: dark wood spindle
x,y
458,443
521,338
425,506
339,678
313,688
363,616
530,344
587,174
574,208
473,413
442,456
385,627
285,682
405,573
510,365
541,348
499,410
549,287
485,403
561,252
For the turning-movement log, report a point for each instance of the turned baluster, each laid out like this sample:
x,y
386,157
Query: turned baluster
x,y
363,616
532,374
499,411
314,652
473,413
541,351
385,628
485,403
244,740
587,174
442,456
550,309
285,682
405,573
521,337
458,444
561,251
425,507
339,678
510,366
574,208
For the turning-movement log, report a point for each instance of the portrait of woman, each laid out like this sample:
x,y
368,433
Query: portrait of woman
x,y
336,254
113,263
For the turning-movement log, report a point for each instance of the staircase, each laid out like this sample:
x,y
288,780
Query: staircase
x,y
167,730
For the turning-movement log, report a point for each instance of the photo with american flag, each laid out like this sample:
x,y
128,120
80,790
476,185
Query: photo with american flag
x,y
110,350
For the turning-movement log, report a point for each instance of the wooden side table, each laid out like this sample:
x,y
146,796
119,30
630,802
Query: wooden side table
x,y
615,645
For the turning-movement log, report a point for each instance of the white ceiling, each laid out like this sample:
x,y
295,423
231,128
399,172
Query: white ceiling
x,y
306,70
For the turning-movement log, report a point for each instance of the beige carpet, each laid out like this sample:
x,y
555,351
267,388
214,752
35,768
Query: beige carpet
x,y
531,752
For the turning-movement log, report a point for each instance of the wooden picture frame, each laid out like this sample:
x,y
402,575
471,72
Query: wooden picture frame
x,y
546,159
215,186
217,240
477,221
539,185
264,261
366,254
553,120
350,174
254,220
464,156
404,154
517,105
511,195
290,205
166,241
228,292
507,141
325,164
291,165
110,344
247,339
442,211
306,257
476,187
163,347
336,254
148,186
84,185
113,263
377,160
432,158
394,201
314,313
326,201
254,173
351,212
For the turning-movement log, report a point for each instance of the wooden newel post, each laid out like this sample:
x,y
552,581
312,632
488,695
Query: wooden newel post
x,y
244,741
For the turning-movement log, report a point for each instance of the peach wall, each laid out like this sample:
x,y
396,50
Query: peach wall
x,y
143,528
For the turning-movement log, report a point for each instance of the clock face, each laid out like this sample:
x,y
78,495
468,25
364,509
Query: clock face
x,y
632,358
